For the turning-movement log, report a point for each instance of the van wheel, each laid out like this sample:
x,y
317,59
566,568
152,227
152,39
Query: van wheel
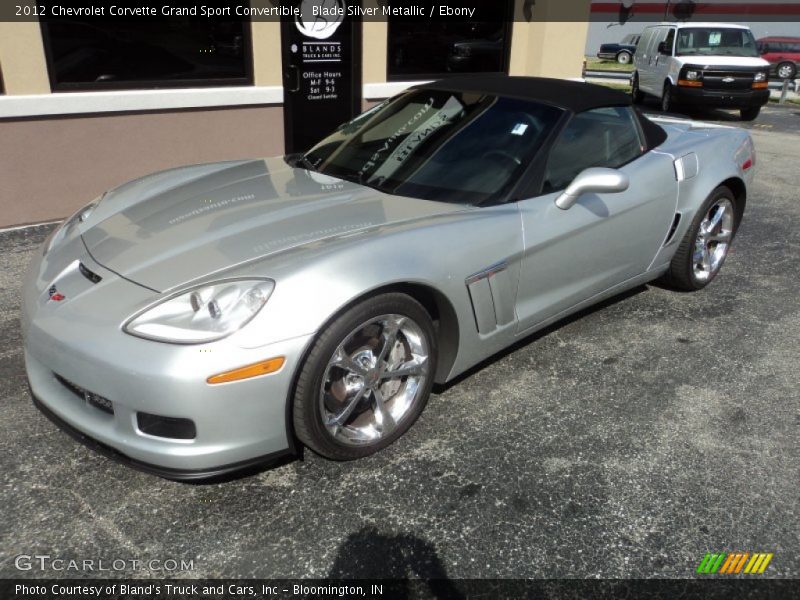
x,y
750,114
636,94
667,102
624,58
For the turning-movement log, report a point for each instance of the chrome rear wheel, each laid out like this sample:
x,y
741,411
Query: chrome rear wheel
x,y
713,240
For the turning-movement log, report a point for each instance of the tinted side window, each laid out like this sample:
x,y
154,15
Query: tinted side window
x,y
604,137
438,47
670,41
161,52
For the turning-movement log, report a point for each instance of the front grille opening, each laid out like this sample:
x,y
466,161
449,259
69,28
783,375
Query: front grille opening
x,y
167,427
92,399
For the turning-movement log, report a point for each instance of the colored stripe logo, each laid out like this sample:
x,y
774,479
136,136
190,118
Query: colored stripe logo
x,y
734,563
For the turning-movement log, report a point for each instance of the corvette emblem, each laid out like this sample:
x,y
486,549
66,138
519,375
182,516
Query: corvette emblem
x,y
55,295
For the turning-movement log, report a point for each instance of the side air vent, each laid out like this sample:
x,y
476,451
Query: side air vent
x,y
675,222
491,294
93,277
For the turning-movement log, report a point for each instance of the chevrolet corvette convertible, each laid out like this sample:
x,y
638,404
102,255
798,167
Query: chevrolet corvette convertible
x,y
214,317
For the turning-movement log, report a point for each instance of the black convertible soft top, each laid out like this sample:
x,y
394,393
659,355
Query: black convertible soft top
x,y
572,95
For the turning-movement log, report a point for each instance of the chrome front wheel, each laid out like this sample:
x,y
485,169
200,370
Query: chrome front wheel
x,y
367,378
373,380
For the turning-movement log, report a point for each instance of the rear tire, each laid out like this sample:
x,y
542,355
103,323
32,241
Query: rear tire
x,y
347,405
750,114
624,57
703,249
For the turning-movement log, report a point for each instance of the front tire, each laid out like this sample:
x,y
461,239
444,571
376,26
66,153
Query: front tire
x,y
624,58
705,246
750,114
667,101
366,379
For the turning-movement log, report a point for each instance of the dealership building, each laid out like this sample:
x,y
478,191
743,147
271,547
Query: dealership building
x,y
88,103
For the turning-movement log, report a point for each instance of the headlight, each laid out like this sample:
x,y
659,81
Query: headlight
x,y
67,227
203,314
694,75
761,76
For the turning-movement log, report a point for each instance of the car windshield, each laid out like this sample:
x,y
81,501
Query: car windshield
x,y
459,147
717,41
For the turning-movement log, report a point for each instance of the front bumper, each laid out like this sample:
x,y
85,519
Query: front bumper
x,y
722,99
80,340
607,55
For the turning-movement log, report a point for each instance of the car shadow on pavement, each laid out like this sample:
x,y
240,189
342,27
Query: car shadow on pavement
x,y
409,561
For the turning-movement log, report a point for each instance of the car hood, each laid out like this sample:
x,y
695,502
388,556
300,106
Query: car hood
x,y
174,227
722,61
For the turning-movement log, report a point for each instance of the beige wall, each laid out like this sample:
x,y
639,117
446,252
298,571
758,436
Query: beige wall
x,y
22,59
266,52
51,167
548,46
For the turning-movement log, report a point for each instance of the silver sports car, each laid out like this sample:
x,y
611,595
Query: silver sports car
x,y
213,317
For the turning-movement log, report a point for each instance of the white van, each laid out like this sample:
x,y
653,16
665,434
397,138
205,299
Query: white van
x,y
708,64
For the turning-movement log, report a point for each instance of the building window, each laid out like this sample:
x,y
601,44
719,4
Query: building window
x,y
152,53
439,48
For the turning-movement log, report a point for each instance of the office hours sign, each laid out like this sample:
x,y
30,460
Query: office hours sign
x,y
321,52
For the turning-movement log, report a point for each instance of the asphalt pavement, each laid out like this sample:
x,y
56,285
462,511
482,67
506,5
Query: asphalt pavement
x,y
625,442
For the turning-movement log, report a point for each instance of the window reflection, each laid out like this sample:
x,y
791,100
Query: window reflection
x,y
428,49
151,53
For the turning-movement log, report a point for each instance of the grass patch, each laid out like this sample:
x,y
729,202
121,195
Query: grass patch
x,y
623,87
596,64
795,101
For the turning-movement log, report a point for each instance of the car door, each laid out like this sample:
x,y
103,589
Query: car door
x,y
604,239
645,64
662,62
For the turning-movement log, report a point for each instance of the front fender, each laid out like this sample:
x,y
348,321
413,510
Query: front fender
x,y
317,281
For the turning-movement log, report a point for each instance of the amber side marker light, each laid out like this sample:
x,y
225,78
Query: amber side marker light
x,y
255,370
761,85
690,83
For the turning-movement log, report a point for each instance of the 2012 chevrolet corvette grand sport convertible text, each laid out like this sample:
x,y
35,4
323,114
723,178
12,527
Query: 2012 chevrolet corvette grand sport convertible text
x,y
212,317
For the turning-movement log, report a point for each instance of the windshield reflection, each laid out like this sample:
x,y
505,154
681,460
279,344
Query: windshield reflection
x,y
460,147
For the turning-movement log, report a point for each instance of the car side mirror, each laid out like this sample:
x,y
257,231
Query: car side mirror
x,y
596,180
663,48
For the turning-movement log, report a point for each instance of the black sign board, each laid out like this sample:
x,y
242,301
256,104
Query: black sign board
x,y
321,71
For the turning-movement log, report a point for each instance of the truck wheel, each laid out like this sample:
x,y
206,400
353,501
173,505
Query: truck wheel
x,y
786,70
624,57
750,114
